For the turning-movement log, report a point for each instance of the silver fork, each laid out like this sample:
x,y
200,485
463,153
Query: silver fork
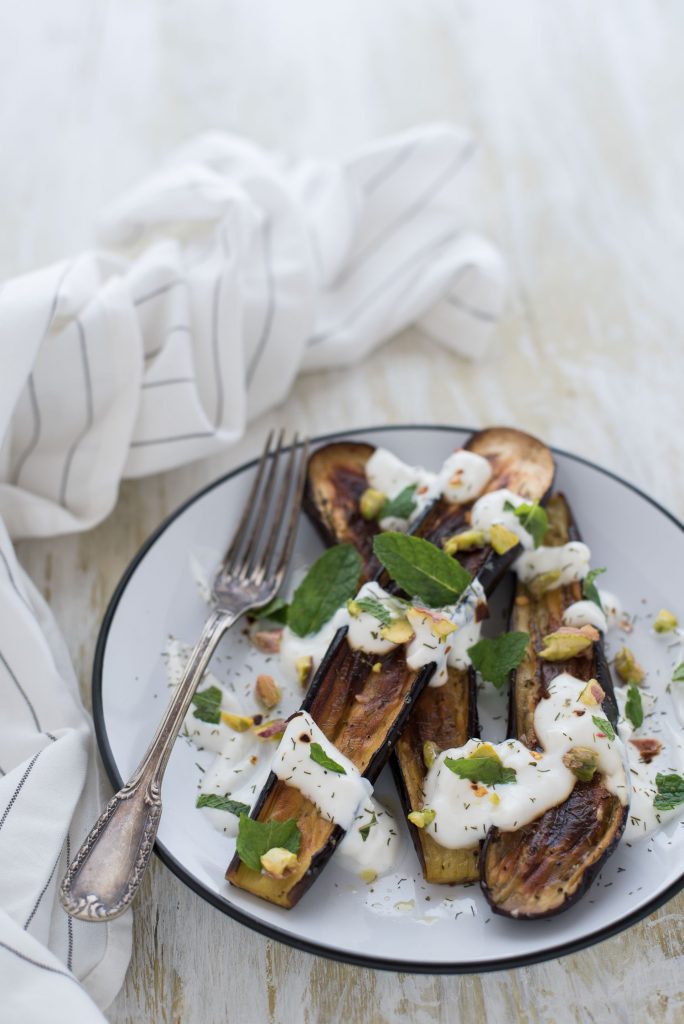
x,y
107,870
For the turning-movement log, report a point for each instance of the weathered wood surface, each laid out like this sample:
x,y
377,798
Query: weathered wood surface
x,y
578,109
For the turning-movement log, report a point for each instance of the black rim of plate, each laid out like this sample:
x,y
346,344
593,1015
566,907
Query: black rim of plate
x,y
272,932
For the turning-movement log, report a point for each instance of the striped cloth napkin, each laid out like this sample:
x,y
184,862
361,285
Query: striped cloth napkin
x,y
216,281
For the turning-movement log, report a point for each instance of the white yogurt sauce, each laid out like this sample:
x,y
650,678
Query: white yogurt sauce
x,y
571,560
489,509
561,722
372,842
461,478
364,633
585,613
612,607
337,796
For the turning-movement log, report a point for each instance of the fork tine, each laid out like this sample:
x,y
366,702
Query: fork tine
x,y
264,567
291,530
255,537
250,504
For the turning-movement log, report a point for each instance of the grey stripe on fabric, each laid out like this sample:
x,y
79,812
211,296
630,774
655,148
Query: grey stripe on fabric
x,y
22,691
19,787
376,292
392,165
161,290
88,388
165,383
36,963
12,580
215,347
269,311
170,440
419,203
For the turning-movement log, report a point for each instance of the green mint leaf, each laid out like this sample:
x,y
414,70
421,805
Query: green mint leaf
x,y
275,611
495,658
532,518
375,608
255,838
678,673
318,754
421,569
222,803
331,580
401,506
208,705
365,829
603,725
488,770
634,709
670,792
589,588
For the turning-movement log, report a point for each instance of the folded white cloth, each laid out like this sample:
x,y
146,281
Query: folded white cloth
x,y
218,280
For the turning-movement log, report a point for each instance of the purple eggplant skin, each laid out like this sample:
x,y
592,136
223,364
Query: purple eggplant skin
x,y
545,867
361,711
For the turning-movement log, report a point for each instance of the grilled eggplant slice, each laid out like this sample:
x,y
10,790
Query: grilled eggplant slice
x,y
545,867
445,715
361,711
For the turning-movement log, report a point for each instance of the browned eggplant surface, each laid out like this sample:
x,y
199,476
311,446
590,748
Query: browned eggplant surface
x,y
445,715
361,711
543,868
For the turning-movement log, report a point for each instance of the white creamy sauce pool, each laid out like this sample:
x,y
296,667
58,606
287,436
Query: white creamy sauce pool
x,y
372,841
365,633
337,794
585,613
461,478
570,560
464,810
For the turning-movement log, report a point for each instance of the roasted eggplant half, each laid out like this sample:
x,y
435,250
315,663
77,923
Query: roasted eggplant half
x,y
445,715
546,866
361,710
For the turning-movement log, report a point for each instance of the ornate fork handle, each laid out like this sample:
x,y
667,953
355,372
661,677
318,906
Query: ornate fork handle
x,y
107,870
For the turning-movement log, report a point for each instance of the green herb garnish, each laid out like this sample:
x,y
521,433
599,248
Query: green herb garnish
x,y
255,838
603,725
589,588
421,569
678,673
670,792
495,658
275,611
365,829
222,803
375,608
533,518
401,506
488,770
318,754
634,709
331,580
208,705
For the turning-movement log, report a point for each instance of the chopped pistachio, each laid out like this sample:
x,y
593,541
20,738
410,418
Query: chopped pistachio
x,y
543,582
368,875
627,667
370,502
267,640
582,762
593,694
239,723
422,818
277,861
376,666
442,627
568,642
267,691
665,621
353,608
466,541
272,730
486,750
430,753
398,632
303,667
494,799
502,539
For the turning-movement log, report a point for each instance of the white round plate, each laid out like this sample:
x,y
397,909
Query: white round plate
x,y
399,922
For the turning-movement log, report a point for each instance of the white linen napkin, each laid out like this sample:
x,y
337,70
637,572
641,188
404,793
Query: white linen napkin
x,y
217,281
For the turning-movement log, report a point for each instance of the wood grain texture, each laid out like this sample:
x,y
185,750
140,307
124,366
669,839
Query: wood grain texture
x,y
577,107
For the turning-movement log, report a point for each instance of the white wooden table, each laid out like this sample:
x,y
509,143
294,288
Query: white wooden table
x,y
577,107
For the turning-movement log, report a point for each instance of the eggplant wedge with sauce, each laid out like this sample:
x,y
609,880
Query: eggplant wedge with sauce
x,y
546,866
445,715
361,711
